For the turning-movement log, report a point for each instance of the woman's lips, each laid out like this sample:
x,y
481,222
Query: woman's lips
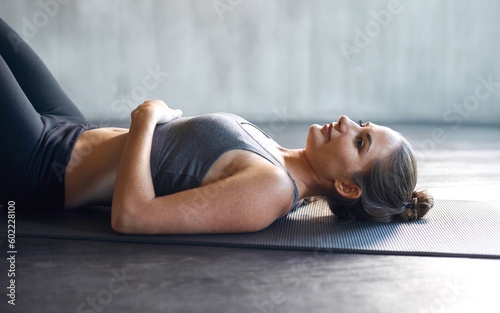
x,y
327,128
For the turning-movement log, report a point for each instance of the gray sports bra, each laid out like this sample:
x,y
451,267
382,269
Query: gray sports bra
x,y
184,149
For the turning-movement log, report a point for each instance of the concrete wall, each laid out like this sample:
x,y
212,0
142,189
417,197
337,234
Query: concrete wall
x,y
382,60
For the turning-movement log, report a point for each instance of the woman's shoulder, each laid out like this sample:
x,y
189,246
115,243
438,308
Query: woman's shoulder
x,y
271,185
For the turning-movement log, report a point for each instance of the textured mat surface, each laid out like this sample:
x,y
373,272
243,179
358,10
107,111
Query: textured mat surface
x,y
452,228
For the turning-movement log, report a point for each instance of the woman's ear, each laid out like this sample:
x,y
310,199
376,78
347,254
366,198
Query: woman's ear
x,y
348,190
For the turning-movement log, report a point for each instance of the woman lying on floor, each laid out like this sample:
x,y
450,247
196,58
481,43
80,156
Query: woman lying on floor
x,y
204,174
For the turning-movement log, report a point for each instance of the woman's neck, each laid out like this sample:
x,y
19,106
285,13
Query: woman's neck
x,y
297,164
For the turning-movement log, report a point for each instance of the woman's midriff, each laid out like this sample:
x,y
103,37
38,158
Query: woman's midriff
x,y
91,171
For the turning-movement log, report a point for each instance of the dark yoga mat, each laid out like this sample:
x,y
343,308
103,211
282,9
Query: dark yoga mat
x,y
452,228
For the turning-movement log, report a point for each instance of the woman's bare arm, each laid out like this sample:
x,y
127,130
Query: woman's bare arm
x,y
250,200
133,181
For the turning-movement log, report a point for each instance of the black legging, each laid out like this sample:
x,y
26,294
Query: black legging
x,y
39,126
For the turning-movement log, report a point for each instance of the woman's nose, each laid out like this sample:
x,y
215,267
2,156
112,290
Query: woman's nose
x,y
344,123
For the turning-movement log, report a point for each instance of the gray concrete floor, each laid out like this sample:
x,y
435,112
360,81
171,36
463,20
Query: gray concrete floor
x,y
88,276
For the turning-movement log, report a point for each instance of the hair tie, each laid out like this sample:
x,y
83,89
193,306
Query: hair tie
x,y
412,204
411,208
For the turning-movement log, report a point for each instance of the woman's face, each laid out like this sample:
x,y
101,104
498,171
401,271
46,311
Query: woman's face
x,y
338,150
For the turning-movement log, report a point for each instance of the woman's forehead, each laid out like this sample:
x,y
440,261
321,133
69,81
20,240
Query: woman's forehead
x,y
387,136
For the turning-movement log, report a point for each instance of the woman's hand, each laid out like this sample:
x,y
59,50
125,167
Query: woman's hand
x,y
156,111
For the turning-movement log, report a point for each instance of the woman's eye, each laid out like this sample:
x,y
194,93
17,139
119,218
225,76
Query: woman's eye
x,y
359,143
363,124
